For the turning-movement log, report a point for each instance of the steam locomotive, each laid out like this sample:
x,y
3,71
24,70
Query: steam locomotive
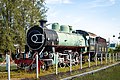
x,y
57,44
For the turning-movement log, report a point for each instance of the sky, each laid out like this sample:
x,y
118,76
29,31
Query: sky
x,y
101,17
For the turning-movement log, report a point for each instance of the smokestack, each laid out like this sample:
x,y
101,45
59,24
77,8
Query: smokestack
x,y
42,23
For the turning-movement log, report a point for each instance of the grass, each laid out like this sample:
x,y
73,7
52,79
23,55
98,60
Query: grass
x,y
85,69
3,68
23,74
17,74
112,73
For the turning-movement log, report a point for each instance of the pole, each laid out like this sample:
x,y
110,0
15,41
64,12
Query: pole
x,y
106,57
113,57
110,57
56,59
116,56
37,65
70,63
96,58
101,58
8,62
81,61
89,60
56,62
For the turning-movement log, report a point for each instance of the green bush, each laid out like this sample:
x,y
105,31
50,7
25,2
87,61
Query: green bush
x,y
1,59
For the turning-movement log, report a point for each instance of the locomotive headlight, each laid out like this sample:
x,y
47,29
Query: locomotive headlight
x,y
34,38
37,38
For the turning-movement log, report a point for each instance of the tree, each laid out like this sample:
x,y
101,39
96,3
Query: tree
x,y
17,16
117,49
7,32
110,50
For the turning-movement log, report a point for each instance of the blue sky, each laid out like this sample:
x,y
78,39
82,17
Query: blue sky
x,y
101,17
